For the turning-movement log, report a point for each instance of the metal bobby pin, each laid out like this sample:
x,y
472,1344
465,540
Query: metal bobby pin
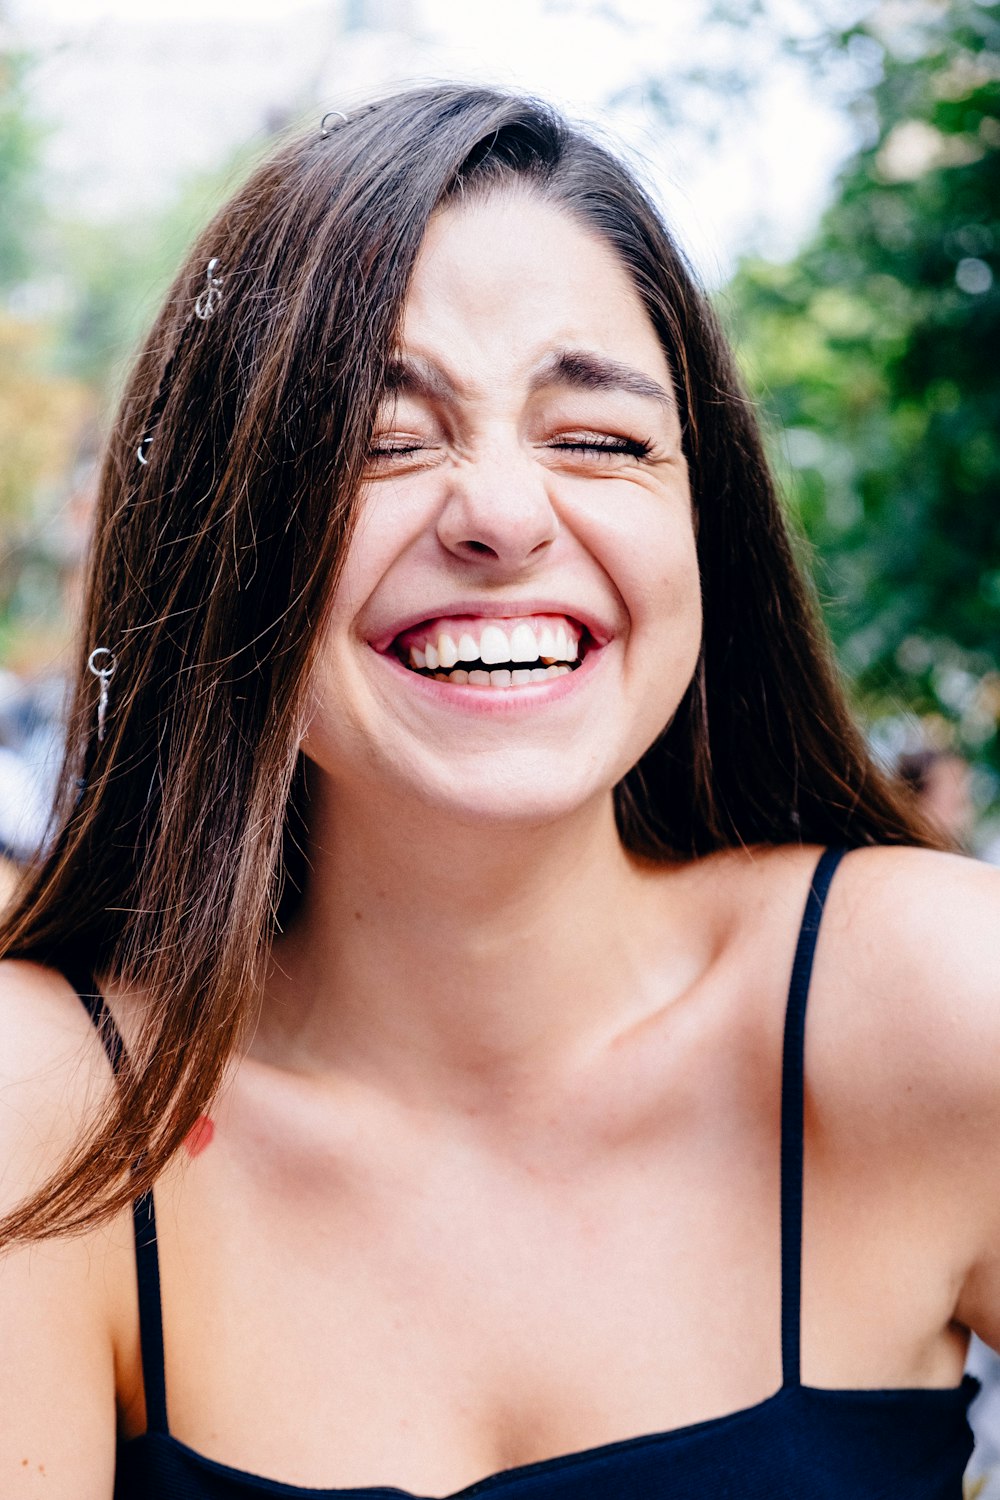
x,y
324,126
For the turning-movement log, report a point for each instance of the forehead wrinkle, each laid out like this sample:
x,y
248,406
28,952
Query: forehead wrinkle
x,y
586,370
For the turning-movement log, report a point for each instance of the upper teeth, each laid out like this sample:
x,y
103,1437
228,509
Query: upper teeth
x,y
497,642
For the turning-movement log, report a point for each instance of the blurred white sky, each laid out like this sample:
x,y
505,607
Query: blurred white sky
x,y
140,93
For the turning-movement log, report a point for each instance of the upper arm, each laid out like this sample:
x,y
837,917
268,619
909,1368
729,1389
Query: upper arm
x,y
919,946
57,1364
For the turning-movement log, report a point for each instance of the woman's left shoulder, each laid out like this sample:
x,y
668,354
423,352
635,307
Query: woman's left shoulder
x,y
909,960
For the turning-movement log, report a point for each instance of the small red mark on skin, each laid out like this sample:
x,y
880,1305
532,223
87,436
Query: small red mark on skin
x,y
199,1137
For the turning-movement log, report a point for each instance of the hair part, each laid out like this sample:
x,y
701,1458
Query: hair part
x,y
213,565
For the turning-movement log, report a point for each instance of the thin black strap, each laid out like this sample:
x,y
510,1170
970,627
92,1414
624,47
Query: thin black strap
x,y
104,1022
147,1260
792,1118
147,1265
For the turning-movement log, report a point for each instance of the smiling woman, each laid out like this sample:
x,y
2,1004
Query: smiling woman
x,y
526,511
440,863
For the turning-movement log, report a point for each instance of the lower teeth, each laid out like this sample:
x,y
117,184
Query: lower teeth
x,y
502,677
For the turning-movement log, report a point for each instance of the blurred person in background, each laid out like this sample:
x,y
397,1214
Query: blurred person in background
x,y
30,749
406,1076
940,782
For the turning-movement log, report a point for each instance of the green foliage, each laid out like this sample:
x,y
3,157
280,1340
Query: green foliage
x,y
876,350
120,273
20,138
79,295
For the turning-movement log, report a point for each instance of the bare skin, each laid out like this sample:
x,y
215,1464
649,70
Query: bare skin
x,y
498,1176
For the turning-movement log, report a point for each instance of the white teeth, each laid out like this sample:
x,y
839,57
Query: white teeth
x,y
447,650
545,644
546,641
523,645
558,645
493,645
501,677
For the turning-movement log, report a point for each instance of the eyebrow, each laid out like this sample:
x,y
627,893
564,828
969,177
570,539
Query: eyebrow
x,y
587,371
406,375
581,369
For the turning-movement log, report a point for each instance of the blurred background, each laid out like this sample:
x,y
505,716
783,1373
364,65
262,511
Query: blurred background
x,y
831,167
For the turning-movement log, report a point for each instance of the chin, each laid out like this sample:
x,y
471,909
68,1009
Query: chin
x,y
505,796
476,791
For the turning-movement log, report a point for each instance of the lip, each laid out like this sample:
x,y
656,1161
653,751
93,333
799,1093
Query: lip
x,y
495,700
600,631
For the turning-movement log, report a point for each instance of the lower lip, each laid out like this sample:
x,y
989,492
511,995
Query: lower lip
x,y
483,700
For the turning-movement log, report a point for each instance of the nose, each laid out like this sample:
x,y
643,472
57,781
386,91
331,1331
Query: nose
x,y
498,511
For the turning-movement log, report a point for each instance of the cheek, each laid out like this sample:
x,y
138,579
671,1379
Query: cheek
x,y
661,589
652,558
666,582
386,522
384,530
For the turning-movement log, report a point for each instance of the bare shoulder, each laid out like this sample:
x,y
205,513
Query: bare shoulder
x,y
920,930
61,1299
909,894
905,996
905,1014
53,1074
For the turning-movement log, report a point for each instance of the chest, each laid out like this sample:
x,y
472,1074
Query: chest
x,y
369,1300
415,1300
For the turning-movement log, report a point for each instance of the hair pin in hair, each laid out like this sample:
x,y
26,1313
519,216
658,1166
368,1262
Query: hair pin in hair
x,y
324,124
143,449
211,293
103,663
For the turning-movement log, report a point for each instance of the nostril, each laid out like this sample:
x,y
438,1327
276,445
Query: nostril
x,y
479,548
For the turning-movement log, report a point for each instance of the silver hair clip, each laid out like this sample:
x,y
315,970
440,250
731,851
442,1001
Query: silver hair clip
x,y
211,294
332,114
103,663
142,450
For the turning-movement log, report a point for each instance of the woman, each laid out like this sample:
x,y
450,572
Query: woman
x,y
432,858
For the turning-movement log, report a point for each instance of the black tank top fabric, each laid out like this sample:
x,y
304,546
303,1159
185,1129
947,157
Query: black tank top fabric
x,y
802,1443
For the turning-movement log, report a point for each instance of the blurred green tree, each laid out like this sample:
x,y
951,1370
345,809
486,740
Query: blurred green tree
x,y
20,138
121,270
876,349
42,416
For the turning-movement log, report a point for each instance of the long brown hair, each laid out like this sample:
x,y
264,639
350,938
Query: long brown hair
x,y
172,849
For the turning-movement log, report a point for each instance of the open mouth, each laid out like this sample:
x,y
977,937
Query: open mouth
x,y
494,654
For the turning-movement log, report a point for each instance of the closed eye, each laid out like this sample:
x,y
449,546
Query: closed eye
x,y
384,450
604,446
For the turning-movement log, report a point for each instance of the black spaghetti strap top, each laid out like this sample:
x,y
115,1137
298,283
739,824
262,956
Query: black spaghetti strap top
x,y
802,1443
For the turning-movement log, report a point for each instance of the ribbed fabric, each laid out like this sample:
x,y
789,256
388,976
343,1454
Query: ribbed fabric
x,y
802,1443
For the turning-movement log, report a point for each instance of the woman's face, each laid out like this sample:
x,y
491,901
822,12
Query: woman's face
x,y
519,614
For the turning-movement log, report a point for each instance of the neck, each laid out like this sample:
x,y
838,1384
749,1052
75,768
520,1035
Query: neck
x,y
426,948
